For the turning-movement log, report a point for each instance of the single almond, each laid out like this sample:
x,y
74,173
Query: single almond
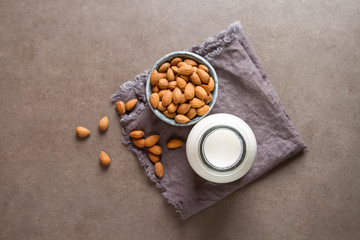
x,y
175,69
139,142
156,149
181,118
190,62
204,76
154,100
195,79
203,67
175,61
175,143
172,107
162,75
136,134
82,132
189,91
164,67
206,88
170,75
161,93
159,169
177,95
104,123
151,140
130,104
104,158
183,108
161,107
154,158
183,98
186,78
172,85
120,107
167,98
196,103
202,110
154,78
211,84
180,64
191,113
195,69
208,99
168,114
200,93
185,70
155,89
181,83
163,84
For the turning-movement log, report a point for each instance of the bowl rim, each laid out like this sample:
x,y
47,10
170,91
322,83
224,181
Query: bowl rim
x,y
193,56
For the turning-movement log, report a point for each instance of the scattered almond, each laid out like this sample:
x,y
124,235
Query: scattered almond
x,y
156,149
82,132
130,104
137,134
159,169
154,158
104,158
151,140
120,107
104,123
175,143
139,142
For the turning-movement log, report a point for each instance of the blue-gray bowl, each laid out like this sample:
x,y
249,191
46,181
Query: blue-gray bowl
x,y
183,55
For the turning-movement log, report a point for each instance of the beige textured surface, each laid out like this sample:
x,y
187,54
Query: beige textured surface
x,y
61,60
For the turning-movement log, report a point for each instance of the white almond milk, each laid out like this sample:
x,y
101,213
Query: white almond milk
x,y
222,148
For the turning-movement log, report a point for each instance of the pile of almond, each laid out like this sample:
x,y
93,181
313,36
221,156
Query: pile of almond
x,y
181,89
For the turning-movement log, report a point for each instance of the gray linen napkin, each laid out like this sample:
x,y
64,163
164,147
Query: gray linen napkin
x,y
244,91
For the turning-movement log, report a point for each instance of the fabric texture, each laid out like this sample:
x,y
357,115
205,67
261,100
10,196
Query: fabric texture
x,y
244,91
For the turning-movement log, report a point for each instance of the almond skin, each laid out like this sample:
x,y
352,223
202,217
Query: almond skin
x,y
183,99
154,158
204,76
161,93
162,75
175,69
170,75
104,123
156,150
202,110
120,107
163,84
154,100
139,142
161,107
181,118
168,114
195,79
183,108
181,83
203,67
208,99
104,158
200,93
155,89
180,64
211,84
136,134
159,170
130,104
164,67
154,78
151,140
177,95
196,103
190,62
175,61
186,78
175,143
172,107
167,98
191,113
172,85
82,132
185,70
206,88
189,91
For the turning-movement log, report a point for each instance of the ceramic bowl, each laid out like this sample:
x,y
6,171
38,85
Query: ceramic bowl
x,y
183,55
